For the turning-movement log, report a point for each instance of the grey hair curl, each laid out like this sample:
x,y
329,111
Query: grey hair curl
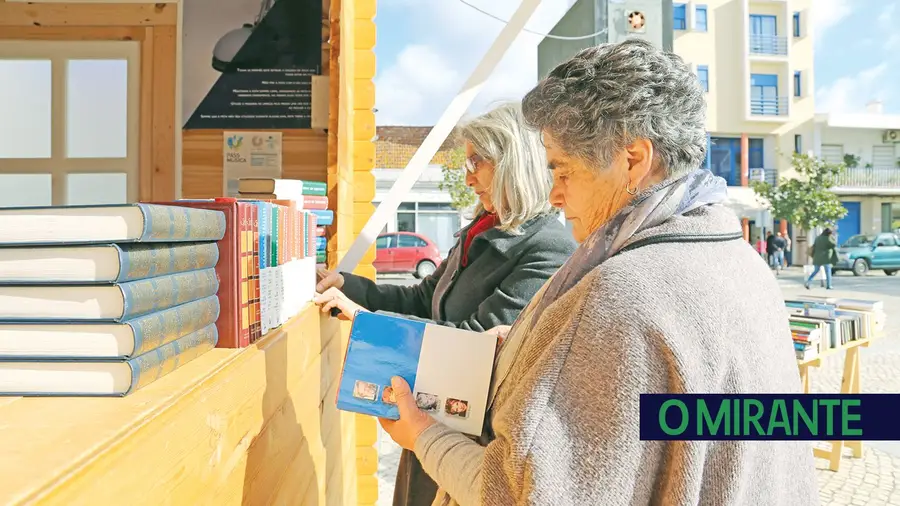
x,y
608,96
521,185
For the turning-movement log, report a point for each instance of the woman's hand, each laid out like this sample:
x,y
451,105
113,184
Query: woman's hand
x,y
413,421
328,279
334,298
500,331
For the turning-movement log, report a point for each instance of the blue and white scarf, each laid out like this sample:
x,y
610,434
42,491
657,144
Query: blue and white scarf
x,y
650,208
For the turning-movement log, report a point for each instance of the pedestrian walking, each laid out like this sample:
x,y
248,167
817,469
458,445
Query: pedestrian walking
x,y
824,254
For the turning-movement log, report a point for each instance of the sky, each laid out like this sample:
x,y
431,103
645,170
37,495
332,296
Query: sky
x,y
427,48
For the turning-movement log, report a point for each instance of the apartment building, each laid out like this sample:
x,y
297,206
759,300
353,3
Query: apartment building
x,y
754,58
869,143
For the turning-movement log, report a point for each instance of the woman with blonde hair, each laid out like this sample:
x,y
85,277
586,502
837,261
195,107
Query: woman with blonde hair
x,y
510,249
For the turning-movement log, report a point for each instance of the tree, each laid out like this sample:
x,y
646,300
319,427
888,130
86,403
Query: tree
x,y
807,200
454,181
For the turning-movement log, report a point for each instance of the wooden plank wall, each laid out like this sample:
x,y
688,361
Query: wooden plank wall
x,y
155,26
350,176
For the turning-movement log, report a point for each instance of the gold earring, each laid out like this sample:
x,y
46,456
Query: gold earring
x,y
629,190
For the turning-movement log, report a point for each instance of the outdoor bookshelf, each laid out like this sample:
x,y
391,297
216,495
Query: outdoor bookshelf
x,y
850,384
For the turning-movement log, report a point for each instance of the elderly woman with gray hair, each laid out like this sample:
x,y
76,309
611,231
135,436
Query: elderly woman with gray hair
x,y
514,244
663,295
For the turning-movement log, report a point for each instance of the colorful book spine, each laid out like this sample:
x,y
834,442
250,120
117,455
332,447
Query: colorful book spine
x,y
157,329
256,328
317,188
245,265
175,224
140,261
320,231
314,202
155,294
151,366
325,217
320,243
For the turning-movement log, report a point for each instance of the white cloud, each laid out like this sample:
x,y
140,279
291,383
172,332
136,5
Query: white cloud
x,y
850,93
828,13
427,74
886,18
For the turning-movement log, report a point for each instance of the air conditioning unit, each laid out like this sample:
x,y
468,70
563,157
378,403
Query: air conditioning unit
x,y
891,136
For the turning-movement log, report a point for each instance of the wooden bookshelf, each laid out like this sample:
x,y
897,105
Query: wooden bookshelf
x,y
850,384
251,426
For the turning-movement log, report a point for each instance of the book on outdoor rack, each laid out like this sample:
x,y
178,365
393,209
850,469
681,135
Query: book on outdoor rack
x,y
108,224
85,377
447,369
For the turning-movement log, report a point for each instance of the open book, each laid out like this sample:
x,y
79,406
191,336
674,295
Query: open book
x,y
448,370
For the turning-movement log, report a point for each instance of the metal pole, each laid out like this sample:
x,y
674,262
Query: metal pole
x,y
438,135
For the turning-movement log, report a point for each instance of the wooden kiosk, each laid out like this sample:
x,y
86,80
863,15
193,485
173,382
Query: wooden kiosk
x,y
236,426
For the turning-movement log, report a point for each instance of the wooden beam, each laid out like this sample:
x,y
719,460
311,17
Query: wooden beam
x,y
74,33
145,163
334,93
163,133
94,15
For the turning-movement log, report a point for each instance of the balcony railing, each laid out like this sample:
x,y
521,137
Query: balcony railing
x,y
769,175
876,177
768,45
769,106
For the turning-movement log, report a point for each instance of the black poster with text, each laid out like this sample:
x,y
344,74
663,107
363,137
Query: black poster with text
x,y
248,64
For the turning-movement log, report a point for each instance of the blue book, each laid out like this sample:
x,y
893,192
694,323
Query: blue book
x,y
109,224
448,369
325,216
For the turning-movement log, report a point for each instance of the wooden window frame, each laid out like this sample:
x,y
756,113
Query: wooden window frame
x,y
59,166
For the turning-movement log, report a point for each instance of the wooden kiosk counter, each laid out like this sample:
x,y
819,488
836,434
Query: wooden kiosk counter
x,y
247,426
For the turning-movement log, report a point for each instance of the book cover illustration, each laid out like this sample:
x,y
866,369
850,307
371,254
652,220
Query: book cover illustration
x,y
448,370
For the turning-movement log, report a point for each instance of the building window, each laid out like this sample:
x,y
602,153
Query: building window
x,y
703,75
796,24
436,221
797,91
82,149
700,20
680,17
764,100
755,155
798,143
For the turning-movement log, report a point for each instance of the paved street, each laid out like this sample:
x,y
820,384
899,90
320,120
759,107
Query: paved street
x,y
871,480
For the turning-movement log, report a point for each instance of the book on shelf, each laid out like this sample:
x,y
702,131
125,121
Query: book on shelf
x,y
108,224
102,377
823,324
305,202
113,302
448,369
44,340
103,263
282,188
237,326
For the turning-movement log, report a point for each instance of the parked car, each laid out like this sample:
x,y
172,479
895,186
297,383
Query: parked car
x,y
406,252
862,253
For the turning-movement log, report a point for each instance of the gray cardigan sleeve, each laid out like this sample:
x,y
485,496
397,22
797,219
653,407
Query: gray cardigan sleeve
x,y
568,432
535,266
533,269
403,300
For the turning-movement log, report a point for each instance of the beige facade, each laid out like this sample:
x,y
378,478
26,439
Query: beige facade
x,y
757,60
870,188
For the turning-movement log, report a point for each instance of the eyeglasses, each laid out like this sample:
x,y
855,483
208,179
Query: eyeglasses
x,y
472,163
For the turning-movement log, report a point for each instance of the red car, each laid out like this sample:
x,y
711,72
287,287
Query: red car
x,y
405,252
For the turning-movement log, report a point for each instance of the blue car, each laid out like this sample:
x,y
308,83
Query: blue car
x,y
862,253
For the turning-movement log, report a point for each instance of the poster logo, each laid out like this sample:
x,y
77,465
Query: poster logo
x,y
233,153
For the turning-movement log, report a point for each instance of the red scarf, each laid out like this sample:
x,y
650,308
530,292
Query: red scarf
x,y
486,222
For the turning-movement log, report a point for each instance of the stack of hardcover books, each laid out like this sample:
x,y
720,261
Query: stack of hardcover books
x,y
103,300
820,325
